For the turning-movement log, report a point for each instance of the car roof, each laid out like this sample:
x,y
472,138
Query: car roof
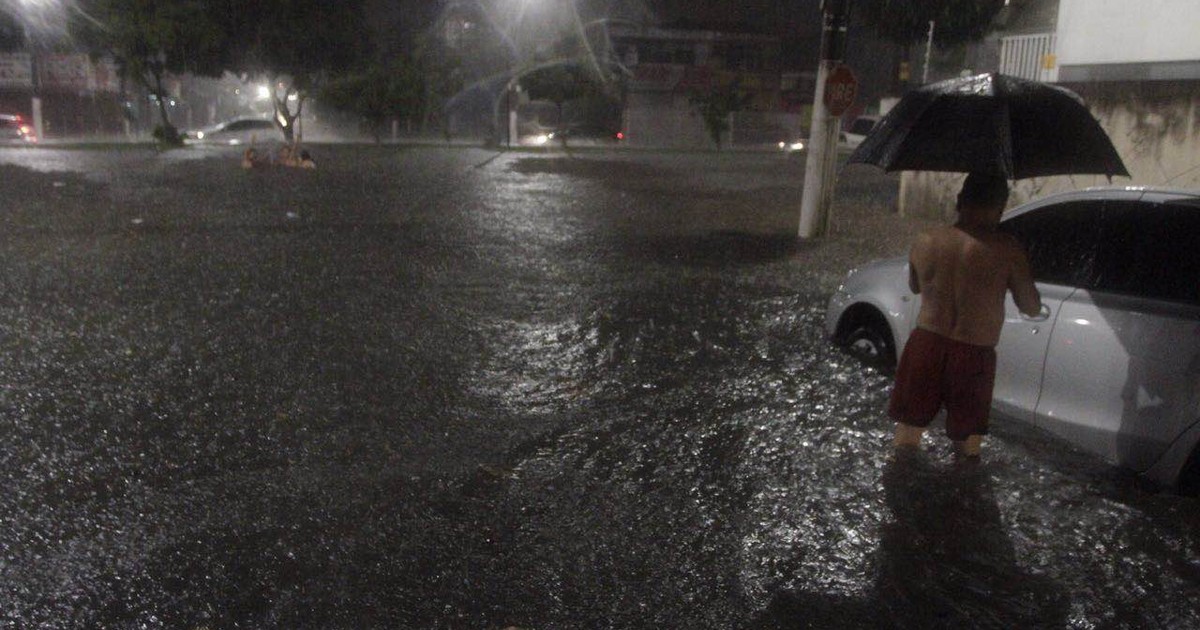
x,y
1157,194
226,123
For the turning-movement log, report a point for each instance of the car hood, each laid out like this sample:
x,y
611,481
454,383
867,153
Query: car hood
x,y
870,274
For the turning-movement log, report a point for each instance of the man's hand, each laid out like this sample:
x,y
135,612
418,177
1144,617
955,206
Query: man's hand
x,y
1020,282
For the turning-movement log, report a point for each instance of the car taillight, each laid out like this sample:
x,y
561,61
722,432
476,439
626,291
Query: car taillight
x,y
620,135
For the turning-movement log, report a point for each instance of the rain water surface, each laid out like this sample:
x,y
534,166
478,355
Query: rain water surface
x,y
430,387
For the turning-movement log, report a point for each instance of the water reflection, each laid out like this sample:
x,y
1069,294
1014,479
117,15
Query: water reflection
x,y
945,560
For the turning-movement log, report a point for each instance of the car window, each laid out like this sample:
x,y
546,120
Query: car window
x,y
1060,239
246,125
1150,250
862,126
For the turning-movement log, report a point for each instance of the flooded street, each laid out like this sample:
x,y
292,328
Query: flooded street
x,y
448,388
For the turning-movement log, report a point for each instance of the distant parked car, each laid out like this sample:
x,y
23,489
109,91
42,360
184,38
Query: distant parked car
x,y
859,129
1115,366
238,131
533,136
14,130
800,144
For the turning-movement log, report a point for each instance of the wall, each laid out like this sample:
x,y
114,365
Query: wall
x,y
663,119
670,121
1127,31
1154,125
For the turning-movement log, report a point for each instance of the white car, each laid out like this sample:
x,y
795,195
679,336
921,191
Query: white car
x,y
14,129
860,129
1115,365
238,131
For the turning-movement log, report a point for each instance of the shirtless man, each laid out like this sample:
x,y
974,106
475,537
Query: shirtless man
x,y
962,273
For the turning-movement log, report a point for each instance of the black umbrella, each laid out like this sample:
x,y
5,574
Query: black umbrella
x,y
991,123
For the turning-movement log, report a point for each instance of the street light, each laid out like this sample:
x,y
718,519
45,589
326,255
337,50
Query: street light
x,y
34,13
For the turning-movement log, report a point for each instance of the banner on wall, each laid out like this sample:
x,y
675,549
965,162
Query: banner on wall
x,y
16,71
65,72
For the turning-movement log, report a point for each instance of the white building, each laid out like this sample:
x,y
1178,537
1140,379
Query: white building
x,y
1137,65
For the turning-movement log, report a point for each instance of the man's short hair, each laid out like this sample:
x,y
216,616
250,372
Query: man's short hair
x,y
983,191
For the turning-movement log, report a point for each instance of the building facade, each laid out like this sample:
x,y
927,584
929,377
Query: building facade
x,y
670,69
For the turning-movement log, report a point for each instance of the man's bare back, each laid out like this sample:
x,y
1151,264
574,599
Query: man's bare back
x,y
962,273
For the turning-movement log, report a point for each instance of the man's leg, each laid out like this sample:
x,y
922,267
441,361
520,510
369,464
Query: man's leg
x,y
908,436
969,447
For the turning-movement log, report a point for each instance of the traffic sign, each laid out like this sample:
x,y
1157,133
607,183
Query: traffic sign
x,y
840,90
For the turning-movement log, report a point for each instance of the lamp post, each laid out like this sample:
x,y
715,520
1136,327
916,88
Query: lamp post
x,y
32,49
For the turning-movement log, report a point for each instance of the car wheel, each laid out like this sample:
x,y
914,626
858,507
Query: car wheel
x,y
872,344
1189,479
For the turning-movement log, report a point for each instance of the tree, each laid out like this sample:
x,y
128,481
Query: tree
x,y
716,104
294,46
149,39
378,94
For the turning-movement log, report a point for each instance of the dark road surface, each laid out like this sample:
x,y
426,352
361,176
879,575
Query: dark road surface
x,y
445,388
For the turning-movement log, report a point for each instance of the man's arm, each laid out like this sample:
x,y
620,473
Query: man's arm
x,y
914,284
915,255
1020,282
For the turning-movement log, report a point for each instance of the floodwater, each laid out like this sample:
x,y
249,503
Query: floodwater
x,y
446,388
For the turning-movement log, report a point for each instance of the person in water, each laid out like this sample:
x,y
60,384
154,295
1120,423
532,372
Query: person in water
x,y
251,158
962,273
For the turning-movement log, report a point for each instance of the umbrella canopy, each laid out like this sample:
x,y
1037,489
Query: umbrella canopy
x,y
991,123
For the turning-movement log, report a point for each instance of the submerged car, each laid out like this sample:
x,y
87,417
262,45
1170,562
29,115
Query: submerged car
x,y
15,130
238,131
1113,363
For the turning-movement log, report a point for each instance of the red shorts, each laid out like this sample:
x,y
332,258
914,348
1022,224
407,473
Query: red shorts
x,y
936,371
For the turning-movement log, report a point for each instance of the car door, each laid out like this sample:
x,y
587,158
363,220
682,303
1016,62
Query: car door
x,y
1060,239
1123,367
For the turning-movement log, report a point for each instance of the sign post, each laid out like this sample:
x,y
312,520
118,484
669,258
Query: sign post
x,y
820,167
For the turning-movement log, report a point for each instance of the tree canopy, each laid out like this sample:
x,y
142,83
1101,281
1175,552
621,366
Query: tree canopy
x,y
294,45
148,39
907,21
378,94
717,103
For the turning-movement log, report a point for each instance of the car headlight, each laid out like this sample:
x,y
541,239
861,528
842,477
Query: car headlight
x,y
199,135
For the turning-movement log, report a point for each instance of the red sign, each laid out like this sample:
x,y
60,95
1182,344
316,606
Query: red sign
x,y
840,89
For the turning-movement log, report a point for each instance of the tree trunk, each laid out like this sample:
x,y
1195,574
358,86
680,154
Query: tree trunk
x,y
169,136
283,115
162,104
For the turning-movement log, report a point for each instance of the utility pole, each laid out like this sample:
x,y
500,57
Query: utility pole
x,y
35,81
928,52
820,167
